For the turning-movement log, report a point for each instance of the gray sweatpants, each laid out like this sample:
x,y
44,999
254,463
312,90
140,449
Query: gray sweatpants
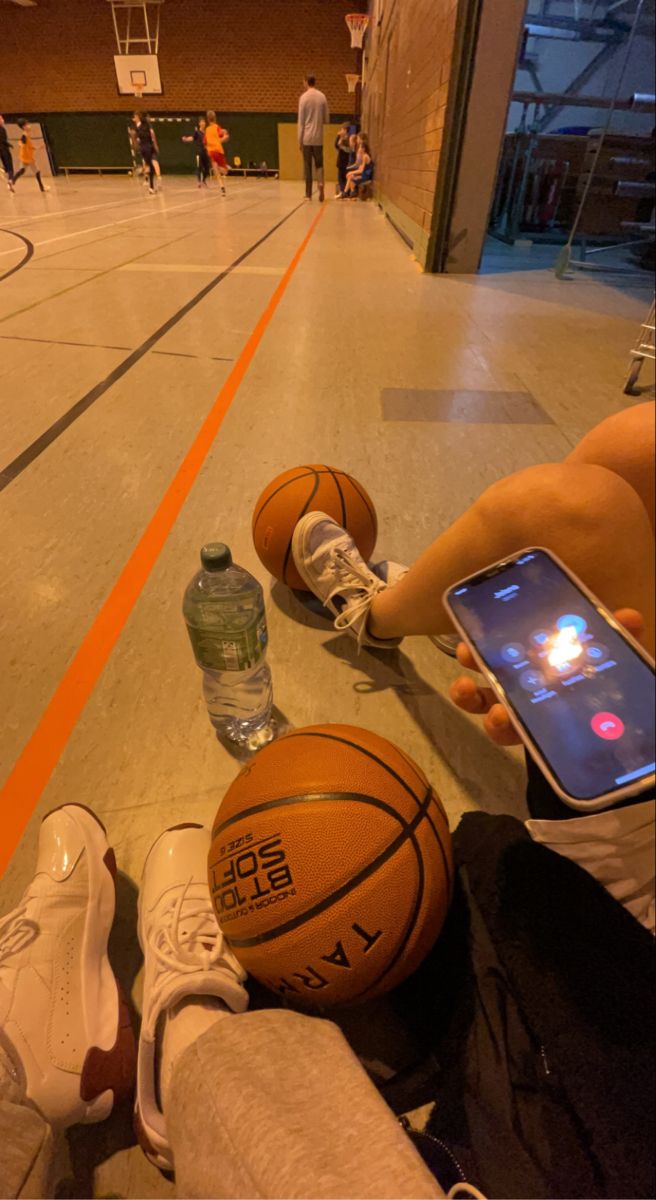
x,y
264,1105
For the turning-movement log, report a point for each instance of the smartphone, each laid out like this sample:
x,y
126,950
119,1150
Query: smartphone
x,y
579,689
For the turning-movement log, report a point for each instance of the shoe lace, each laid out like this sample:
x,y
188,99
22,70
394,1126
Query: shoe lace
x,y
16,931
357,580
186,939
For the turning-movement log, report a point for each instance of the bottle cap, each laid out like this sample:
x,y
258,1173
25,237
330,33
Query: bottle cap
x,y
216,556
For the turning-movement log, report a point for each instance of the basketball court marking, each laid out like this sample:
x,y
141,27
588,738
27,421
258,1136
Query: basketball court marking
x,y
31,452
73,212
72,287
38,759
152,212
44,258
19,337
27,254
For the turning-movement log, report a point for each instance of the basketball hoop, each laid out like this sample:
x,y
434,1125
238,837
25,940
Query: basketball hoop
x,y
357,23
352,82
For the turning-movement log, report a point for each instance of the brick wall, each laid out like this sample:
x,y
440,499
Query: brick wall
x,y
408,71
232,55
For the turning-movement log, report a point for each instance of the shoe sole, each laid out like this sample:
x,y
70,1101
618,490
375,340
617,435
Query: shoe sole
x,y
108,1074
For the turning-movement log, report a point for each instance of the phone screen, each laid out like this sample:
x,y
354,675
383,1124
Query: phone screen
x,y
582,692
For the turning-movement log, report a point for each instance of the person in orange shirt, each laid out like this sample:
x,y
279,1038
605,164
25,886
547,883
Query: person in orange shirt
x,y
27,156
215,136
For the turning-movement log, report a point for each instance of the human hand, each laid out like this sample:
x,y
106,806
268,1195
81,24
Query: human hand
x,y
468,695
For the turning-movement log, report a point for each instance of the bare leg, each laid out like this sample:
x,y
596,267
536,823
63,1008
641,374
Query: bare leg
x,y
588,515
626,444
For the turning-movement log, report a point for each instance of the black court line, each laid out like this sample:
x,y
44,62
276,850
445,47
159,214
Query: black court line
x,y
105,270
29,251
32,452
18,337
181,354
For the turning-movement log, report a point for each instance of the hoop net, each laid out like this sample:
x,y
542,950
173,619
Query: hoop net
x,y
352,82
357,23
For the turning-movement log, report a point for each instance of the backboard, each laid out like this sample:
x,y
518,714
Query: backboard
x,y
137,71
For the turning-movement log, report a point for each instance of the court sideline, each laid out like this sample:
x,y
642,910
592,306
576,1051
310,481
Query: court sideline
x,y
175,288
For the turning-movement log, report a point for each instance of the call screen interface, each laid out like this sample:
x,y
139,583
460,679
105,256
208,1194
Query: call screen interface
x,y
583,694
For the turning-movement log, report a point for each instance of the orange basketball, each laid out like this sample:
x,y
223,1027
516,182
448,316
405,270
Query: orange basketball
x,y
330,867
309,489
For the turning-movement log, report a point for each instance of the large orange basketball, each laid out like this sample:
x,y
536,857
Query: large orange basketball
x,y
301,490
330,867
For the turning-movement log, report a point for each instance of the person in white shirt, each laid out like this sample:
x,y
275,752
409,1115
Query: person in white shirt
x,y
313,114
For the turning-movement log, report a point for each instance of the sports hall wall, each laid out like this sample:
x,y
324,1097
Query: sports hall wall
x,y
408,71
57,65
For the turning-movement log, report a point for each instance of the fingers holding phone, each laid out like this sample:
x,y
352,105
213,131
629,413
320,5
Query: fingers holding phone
x,y
565,678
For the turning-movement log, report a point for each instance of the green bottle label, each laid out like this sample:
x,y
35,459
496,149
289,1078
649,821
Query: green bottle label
x,y
228,651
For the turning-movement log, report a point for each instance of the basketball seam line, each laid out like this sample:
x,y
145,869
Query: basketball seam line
x,y
279,489
341,497
301,797
411,925
366,503
323,470
332,737
302,513
407,831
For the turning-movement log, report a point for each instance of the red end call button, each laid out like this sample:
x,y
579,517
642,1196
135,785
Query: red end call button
x,y
607,725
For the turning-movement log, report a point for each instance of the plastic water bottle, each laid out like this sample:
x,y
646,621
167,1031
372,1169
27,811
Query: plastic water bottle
x,y
223,609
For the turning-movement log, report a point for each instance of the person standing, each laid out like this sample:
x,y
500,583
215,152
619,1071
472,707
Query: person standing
x,y
215,136
149,150
203,164
6,161
343,148
27,156
312,116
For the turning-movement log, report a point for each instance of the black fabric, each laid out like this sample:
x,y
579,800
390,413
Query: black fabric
x,y
145,138
311,154
6,159
4,141
343,158
536,1004
203,164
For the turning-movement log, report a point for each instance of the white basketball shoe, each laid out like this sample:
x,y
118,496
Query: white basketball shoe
x,y
185,957
64,1025
331,566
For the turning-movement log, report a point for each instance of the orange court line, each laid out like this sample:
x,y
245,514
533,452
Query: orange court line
x,y
39,757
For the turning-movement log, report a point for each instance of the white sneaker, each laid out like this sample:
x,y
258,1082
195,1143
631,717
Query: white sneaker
x,y
446,642
331,566
63,1022
185,955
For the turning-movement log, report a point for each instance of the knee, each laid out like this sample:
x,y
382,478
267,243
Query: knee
x,y
560,503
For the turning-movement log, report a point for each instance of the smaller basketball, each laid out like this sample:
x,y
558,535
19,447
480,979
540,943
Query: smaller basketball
x,y
301,490
330,867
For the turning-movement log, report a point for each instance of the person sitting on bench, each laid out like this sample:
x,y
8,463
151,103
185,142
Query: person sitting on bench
x,y
363,170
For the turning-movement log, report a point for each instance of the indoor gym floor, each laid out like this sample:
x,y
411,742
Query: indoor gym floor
x,y
426,388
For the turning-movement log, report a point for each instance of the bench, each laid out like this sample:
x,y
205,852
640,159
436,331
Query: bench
x,y
92,170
